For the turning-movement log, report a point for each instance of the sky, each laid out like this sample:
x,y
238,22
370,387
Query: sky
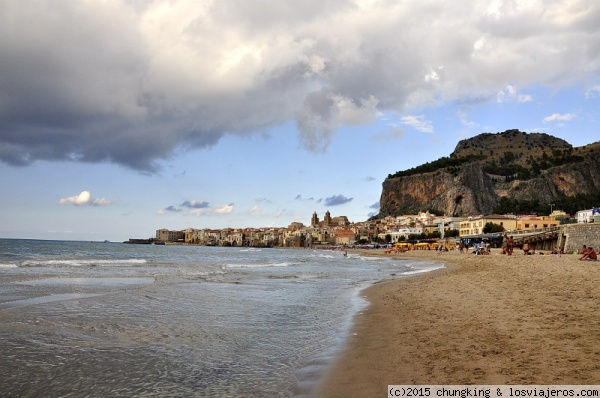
x,y
121,117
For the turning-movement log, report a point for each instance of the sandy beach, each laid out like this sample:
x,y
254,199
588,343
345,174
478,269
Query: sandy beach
x,y
493,319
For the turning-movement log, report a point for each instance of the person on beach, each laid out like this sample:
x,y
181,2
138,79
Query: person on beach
x,y
589,254
526,248
557,251
510,243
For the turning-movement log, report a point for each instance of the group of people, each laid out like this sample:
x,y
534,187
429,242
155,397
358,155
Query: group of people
x,y
509,243
588,253
509,246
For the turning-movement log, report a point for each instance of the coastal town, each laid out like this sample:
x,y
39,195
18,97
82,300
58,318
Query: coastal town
x,y
339,231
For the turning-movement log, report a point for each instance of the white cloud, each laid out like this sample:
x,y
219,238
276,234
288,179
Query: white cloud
x,y
432,76
592,92
84,199
225,209
418,123
510,94
462,115
199,212
199,209
559,117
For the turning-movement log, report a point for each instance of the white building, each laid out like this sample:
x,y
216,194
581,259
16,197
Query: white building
x,y
584,216
401,232
443,224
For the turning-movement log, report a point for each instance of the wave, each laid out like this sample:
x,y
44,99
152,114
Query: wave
x,y
83,262
8,265
418,271
257,265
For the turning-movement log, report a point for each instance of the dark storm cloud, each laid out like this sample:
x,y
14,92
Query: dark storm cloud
x,y
129,82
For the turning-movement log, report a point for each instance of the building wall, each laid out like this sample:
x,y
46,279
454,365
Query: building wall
x,y
574,236
536,223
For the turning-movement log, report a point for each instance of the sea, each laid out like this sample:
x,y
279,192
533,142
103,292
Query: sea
x,y
99,319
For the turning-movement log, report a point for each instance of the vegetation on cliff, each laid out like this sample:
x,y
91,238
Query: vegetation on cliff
x,y
514,155
442,163
568,204
508,172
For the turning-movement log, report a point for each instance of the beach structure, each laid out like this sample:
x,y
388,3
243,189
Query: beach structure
x,y
573,236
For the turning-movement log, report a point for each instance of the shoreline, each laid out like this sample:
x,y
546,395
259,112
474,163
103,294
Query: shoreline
x,y
480,320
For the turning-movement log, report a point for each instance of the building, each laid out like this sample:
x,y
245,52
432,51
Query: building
x,y
328,222
584,216
474,226
170,236
526,223
401,233
445,224
343,236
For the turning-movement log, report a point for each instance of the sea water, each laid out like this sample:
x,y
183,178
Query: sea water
x,y
109,319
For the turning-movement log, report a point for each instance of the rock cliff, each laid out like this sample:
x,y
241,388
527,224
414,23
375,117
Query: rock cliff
x,y
489,168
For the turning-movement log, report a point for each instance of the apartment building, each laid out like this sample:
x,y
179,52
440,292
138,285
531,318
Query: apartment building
x,y
475,225
525,223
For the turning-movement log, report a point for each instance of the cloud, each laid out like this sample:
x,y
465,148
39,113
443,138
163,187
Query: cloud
x,y
167,210
370,178
84,199
375,206
193,204
592,92
559,117
337,200
225,209
509,94
196,208
300,198
199,209
132,82
418,123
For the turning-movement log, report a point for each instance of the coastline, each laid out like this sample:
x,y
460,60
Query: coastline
x,y
481,320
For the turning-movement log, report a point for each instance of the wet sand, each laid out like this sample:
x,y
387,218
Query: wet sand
x,y
482,320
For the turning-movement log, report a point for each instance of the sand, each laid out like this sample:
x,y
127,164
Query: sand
x,y
481,320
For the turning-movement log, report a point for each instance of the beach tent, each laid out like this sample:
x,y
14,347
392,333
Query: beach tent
x,y
403,246
422,246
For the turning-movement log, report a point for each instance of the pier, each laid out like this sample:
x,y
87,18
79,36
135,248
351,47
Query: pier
x,y
568,237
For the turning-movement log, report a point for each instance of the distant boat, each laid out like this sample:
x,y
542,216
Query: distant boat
x,y
106,241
